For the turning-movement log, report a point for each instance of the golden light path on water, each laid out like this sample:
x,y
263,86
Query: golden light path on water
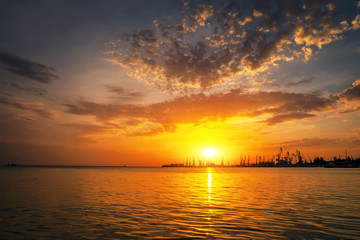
x,y
209,193
186,203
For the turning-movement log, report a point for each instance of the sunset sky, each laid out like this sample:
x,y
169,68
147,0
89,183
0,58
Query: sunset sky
x,y
144,83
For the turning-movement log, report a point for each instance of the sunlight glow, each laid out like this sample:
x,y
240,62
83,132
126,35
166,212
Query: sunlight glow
x,y
210,152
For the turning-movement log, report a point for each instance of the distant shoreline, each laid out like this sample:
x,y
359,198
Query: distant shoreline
x,y
75,166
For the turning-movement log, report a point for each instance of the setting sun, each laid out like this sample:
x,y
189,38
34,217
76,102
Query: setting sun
x,y
210,152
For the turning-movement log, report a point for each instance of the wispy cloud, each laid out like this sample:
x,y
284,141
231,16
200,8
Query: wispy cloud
x,y
351,140
34,107
85,127
101,111
25,117
82,131
301,81
124,94
287,117
147,132
217,40
355,136
349,110
25,68
34,90
310,142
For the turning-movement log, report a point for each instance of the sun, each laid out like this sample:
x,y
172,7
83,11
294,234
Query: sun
x,y
210,152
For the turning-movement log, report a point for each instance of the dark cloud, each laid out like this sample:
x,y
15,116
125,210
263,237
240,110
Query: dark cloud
x,y
193,109
34,90
101,111
85,127
352,93
34,107
24,117
25,68
124,94
287,117
216,40
311,142
346,111
301,81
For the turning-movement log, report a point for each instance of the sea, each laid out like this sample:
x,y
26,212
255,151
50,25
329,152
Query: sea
x,y
179,203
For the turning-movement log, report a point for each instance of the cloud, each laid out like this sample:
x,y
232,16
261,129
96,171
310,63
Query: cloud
x,y
34,90
147,132
301,81
83,132
34,107
356,23
352,93
350,98
355,136
101,111
311,142
194,109
25,117
217,40
123,93
25,68
346,111
351,140
85,127
287,117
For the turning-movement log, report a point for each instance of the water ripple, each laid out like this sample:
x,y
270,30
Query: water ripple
x,y
183,203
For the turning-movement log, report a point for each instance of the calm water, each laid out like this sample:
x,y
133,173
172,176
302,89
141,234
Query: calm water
x,y
179,203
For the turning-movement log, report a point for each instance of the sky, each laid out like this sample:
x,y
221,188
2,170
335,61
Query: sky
x,y
145,83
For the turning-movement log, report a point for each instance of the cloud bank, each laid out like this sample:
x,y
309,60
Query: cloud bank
x,y
276,107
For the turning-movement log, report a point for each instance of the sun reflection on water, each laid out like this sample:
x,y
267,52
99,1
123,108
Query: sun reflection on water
x,y
209,186
209,193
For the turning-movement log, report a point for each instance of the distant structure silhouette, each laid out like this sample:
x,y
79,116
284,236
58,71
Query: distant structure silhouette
x,y
296,159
